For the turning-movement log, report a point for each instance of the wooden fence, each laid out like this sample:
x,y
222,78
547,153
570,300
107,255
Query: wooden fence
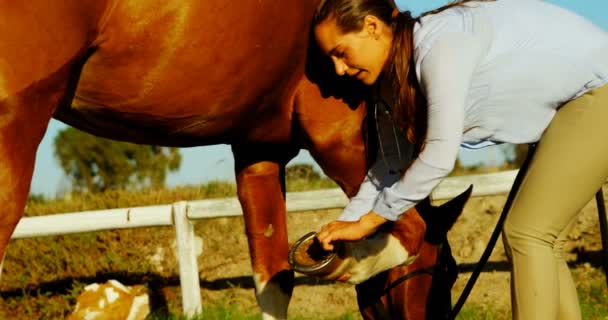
x,y
181,214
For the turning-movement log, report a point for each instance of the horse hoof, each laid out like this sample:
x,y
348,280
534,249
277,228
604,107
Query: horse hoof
x,y
307,256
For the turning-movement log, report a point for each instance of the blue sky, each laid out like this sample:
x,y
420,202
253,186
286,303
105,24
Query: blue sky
x,y
202,164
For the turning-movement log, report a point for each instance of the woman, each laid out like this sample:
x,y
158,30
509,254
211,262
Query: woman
x,y
477,73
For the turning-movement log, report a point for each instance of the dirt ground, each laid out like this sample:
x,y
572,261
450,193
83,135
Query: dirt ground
x,y
225,268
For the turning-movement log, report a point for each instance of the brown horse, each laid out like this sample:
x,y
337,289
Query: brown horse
x,y
181,73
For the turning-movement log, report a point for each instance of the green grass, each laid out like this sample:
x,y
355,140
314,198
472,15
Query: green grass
x,y
224,310
124,198
593,295
479,312
591,289
43,276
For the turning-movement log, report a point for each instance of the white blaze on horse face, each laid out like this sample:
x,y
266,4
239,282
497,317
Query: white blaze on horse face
x,y
370,256
271,299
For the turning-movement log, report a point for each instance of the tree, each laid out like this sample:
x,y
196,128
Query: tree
x,y
301,171
521,152
96,164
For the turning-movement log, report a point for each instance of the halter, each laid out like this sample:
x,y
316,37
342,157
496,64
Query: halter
x,y
379,310
427,270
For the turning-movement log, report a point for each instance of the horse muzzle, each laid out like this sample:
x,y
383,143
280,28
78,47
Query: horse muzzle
x,y
352,261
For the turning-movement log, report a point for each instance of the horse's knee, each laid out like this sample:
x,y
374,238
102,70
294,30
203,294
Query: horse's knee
x,y
259,186
260,170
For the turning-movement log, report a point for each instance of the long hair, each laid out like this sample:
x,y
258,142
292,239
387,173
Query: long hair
x,y
410,109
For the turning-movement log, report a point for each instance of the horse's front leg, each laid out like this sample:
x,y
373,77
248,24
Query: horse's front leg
x,y
24,117
260,184
40,52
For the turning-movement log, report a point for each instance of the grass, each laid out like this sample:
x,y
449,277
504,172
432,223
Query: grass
x,y
593,295
43,276
122,198
592,292
478,312
223,311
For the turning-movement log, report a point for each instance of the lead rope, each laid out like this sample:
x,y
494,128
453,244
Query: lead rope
x,y
601,210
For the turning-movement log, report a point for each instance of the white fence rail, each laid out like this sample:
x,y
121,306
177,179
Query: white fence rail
x,y
181,214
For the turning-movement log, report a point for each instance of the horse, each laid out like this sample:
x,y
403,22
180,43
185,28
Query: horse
x,y
183,73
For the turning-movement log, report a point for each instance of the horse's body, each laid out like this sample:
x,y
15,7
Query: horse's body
x,y
179,73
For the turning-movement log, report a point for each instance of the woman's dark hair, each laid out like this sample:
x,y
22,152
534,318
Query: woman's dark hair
x,y
410,109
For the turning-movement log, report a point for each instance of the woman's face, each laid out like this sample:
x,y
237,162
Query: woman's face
x,y
360,54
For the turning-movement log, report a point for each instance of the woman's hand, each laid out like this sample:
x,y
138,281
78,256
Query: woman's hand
x,y
350,231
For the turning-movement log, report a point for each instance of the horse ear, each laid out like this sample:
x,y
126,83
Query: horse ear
x,y
452,209
439,220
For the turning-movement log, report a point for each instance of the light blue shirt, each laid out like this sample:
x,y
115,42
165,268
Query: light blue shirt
x,y
491,72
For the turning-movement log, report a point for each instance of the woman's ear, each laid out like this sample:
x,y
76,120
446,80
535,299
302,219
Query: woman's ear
x,y
372,26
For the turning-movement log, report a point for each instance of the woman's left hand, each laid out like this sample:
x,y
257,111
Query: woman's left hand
x,y
350,231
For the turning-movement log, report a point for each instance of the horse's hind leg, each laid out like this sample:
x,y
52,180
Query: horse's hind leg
x,y
260,174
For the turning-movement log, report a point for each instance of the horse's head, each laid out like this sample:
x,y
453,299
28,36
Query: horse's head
x,y
421,289
404,271
356,261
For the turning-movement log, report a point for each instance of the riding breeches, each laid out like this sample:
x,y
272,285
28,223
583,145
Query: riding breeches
x,y
569,166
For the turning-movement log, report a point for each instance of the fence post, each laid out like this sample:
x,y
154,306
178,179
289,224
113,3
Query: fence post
x,y
186,258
